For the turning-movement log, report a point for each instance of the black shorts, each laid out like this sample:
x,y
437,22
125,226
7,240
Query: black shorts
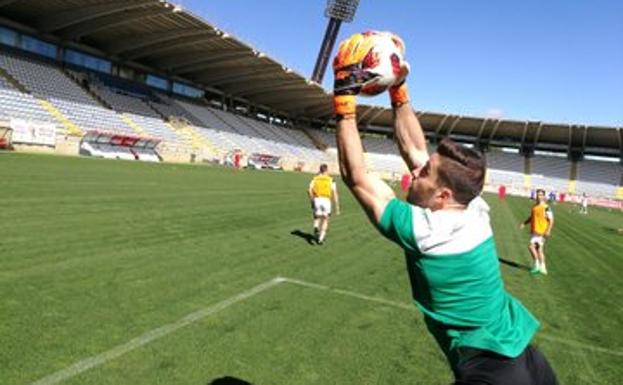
x,y
487,368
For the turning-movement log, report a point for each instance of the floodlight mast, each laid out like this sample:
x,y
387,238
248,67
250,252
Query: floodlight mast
x,y
337,11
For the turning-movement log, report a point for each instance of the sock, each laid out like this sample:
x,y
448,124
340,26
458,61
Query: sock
x,y
321,237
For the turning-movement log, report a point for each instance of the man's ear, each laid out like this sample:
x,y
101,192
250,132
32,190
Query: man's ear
x,y
445,194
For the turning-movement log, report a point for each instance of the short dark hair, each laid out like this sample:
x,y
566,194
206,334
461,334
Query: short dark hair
x,y
324,167
540,190
461,169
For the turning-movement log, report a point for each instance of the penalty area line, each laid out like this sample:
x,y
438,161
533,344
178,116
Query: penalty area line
x,y
152,335
547,337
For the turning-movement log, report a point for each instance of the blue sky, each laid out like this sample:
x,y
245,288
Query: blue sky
x,y
558,61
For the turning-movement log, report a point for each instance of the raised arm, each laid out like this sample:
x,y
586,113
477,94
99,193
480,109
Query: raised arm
x,y
407,129
372,193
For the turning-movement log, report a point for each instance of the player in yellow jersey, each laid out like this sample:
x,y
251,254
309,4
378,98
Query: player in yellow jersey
x,y
541,222
321,191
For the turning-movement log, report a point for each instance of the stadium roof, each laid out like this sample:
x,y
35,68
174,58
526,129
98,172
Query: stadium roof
x,y
162,36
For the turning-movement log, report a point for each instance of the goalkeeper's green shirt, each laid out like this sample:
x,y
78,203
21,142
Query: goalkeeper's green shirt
x,y
455,278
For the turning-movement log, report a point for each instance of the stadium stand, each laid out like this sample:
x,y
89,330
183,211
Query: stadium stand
x,y
50,84
327,138
71,76
551,173
505,168
598,178
382,155
138,111
21,106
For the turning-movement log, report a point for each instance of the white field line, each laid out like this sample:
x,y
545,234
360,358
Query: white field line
x,y
349,293
547,337
152,335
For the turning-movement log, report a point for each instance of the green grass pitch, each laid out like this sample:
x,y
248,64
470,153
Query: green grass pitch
x,y
105,259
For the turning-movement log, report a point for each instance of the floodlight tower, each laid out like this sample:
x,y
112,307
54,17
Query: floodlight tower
x,y
337,11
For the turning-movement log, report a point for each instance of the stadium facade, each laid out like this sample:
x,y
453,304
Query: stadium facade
x,y
150,73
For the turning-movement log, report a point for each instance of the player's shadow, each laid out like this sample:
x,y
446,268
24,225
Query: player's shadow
x,y
613,230
514,264
310,238
227,380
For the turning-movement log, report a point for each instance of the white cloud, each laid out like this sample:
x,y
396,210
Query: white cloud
x,y
494,113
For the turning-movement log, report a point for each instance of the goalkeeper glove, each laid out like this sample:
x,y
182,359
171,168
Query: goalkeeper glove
x,y
349,74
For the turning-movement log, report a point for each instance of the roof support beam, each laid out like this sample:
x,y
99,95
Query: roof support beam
x,y
260,86
215,61
299,101
207,57
458,119
317,109
525,133
366,113
376,115
49,23
132,43
440,125
229,77
584,135
108,22
275,88
170,45
319,115
481,129
172,61
538,134
291,96
570,140
495,130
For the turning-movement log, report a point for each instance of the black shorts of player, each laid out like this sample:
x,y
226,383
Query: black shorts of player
x,y
487,368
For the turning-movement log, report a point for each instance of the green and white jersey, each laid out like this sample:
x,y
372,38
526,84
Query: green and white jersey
x,y
455,278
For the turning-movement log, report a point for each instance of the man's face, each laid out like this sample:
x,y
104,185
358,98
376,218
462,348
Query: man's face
x,y
424,184
540,196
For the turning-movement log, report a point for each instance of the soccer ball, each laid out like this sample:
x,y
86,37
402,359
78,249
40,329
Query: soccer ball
x,y
384,59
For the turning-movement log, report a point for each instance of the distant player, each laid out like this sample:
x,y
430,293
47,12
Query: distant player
x,y
584,204
541,222
502,192
552,196
322,190
237,158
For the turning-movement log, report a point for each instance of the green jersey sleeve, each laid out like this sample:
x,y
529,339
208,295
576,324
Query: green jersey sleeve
x,y
397,224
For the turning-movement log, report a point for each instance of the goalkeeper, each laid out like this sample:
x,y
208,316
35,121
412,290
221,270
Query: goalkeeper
x,y
444,230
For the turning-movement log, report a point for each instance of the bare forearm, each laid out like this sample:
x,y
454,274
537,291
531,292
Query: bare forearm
x,y
371,192
350,152
410,136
